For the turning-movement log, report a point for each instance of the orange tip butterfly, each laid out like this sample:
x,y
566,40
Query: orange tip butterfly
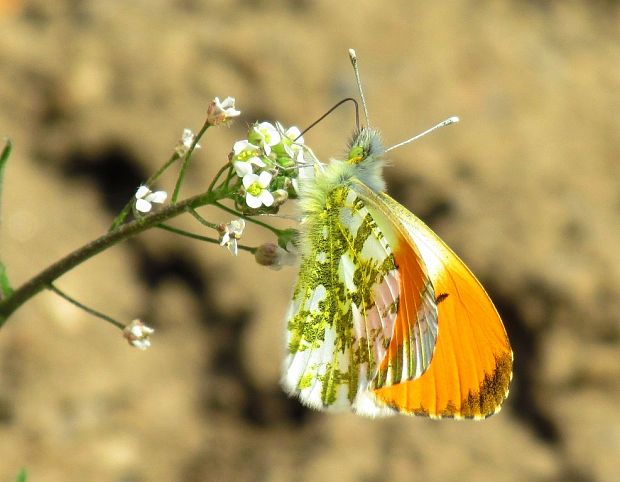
x,y
385,318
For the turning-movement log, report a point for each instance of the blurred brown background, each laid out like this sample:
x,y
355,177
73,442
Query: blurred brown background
x,y
95,95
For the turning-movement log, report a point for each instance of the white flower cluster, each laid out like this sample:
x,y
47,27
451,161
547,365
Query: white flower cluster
x,y
268,163
145,198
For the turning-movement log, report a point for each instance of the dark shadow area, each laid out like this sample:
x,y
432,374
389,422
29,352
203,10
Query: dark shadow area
x,y
527,353
225,330
114,170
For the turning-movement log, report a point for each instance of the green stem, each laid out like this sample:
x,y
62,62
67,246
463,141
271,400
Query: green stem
x,y
217,176
5,284
201,238
54,271
88,309
4,157
247,218
202,220
188,155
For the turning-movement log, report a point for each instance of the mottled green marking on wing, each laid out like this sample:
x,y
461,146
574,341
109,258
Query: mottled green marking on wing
x,y
337,329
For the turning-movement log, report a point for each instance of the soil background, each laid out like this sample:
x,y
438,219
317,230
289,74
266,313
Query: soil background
x,y
95,94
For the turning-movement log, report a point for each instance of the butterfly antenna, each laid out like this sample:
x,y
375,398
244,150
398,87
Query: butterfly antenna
x,y
447,122
353,58
348,99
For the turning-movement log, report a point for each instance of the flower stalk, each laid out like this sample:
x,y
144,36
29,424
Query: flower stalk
x,y
82,306
41,281
186,159
260,175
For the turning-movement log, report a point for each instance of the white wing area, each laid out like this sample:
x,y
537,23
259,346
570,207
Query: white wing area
x,y
341,319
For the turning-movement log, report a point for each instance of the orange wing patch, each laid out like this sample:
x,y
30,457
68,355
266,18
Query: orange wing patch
x,y
471,366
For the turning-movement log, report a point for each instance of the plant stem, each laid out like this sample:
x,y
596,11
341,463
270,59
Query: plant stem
x,y
60,267
201,238
187,234
202,220
248,218
5,284
4,157
188,155
87,309
217,176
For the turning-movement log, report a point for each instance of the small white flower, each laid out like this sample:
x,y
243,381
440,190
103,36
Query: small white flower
x,y
291,139
227,106
137,334
231,233
268,135
245,154
220,112
187,139
145,197
257,192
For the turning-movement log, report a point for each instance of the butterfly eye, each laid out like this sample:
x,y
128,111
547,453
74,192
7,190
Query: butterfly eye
x,y
356,154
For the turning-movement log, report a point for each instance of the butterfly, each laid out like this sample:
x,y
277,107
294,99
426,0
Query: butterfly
x,y
385,318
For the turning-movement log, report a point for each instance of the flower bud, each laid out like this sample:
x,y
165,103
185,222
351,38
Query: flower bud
x,y
280,196
266,254
274,256
137,334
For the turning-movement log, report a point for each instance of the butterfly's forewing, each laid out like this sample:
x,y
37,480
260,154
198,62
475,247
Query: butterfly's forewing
x,y
340,323
472,362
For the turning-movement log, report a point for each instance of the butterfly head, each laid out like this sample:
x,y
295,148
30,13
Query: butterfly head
x,y
365,146
365,157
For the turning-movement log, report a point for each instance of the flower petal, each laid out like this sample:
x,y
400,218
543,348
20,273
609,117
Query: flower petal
x,y
228,102
157,197
237,226
241,146
264,179
293,134
242,168
265,127
232,247
143,206
142,191
266,197
249,179
252,201
257,161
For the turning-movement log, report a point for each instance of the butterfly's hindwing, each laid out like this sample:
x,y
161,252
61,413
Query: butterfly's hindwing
x,y
416,326
344,306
